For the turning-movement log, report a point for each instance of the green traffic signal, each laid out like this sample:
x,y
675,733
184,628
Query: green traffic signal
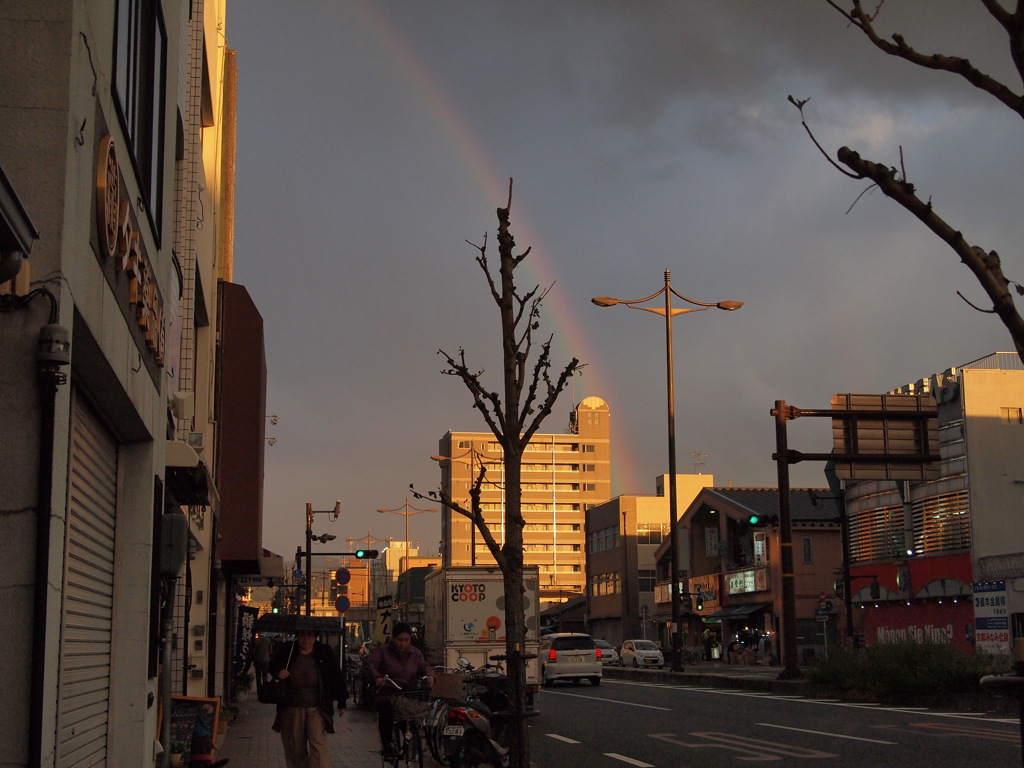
x,y
367,554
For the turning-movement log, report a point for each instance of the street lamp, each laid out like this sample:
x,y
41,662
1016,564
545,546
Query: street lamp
x,y
368,540
310,513
474,494
407,511
668,313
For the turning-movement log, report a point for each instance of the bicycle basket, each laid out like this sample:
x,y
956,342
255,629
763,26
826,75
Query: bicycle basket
x,y
447,686
406,707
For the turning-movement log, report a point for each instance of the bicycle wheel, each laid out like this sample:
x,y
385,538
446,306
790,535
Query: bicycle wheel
x,y
414,746
434,731
394,757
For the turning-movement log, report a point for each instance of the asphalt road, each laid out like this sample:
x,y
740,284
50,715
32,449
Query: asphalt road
x,y
631,723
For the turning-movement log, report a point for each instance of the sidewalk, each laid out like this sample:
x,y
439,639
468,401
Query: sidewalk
x,y
249,742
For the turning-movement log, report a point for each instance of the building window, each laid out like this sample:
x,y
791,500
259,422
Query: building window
x,y
1012,415
604,584
591,487
603,539
807,550
651,533
646,580
140,65
590,468
590,449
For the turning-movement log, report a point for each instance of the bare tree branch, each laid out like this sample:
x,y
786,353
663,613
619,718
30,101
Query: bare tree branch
x,y
1012,23
984,264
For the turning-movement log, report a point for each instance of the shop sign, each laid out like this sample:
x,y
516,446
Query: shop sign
x,y
120,243
706,588
742,582
991,618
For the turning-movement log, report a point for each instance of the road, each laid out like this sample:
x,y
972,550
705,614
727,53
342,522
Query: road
x,y
629,723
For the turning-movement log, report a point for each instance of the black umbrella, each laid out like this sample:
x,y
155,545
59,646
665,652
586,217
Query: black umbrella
x,y
291,623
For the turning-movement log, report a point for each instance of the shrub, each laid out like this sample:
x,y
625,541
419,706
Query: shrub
x,y
900,672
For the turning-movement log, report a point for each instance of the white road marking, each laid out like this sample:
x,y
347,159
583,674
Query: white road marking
x,y
825,733
804,700
566,739
630,760
612,701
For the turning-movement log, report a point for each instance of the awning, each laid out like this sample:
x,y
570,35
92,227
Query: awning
x,y
736,611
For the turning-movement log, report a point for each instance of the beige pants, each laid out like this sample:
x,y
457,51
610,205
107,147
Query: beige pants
x,y
304,736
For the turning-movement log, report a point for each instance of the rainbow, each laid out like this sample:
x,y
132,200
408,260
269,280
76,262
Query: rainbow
x,y
570,337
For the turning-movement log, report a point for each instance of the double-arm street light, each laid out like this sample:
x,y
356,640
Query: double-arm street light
x,y
476,458
668,312
407,510
310,514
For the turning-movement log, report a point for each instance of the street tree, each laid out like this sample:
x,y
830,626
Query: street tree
x,y
893,182
513,413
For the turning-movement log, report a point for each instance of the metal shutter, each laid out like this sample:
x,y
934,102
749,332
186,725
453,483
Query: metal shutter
x,y
86,615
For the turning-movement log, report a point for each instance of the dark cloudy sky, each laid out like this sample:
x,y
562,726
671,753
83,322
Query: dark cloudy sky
x,y
376,137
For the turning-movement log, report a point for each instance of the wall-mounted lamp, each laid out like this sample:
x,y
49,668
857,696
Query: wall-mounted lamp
x,y
273,418
54,346
270,440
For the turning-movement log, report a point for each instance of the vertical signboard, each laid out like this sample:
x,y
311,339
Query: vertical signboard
x,y
385,619
991,618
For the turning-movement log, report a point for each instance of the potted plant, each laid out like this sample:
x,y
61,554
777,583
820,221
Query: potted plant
x,y
241,686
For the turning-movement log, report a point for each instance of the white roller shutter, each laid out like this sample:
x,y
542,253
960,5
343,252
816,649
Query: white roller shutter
x,y
84,689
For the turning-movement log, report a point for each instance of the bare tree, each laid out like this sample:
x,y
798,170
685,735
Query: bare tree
x,y
529,393
894,183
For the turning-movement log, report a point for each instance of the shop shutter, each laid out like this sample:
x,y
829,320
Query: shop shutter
x,y
86,616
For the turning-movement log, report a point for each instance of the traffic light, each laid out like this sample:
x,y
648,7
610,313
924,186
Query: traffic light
x,y
687,603
700,603
840,587
875,590
367,554
760,521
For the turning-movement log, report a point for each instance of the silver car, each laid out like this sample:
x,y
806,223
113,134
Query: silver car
x,y
569,656
608,653
641,653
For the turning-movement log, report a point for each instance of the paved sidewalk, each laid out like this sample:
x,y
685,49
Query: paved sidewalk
x,y
249,742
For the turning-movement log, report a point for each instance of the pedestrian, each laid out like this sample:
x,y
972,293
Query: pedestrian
x,y
313,682
261,659
402,662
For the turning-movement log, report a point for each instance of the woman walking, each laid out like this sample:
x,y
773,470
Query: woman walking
x,y
313,682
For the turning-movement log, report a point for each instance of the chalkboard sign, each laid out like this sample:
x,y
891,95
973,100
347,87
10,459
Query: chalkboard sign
x,y
193,727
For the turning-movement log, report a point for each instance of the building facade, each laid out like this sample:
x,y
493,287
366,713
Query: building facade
x,y
563,475
623,535
116,157
941,560
732,569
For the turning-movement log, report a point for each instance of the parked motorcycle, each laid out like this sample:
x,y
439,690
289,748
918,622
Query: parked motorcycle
x,y
476,728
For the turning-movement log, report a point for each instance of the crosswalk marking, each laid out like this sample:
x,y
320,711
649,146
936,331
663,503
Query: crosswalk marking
x,y
630,760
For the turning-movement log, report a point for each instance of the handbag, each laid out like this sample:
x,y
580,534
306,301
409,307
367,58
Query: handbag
x,y
273,691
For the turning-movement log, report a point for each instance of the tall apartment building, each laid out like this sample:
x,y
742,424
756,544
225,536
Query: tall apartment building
x,y
563,476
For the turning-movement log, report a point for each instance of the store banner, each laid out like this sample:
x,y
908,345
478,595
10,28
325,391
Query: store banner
x,y
244,630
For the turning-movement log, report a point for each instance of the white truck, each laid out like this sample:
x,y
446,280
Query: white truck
x,y
465,616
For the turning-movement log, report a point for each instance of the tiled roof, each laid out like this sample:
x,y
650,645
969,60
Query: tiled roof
x,y
808,506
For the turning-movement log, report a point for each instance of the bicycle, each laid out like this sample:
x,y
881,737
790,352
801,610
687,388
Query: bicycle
x,y
448,688
409,711
688,656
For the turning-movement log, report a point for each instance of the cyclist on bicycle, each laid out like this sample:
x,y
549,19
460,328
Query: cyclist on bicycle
x,y
401,662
